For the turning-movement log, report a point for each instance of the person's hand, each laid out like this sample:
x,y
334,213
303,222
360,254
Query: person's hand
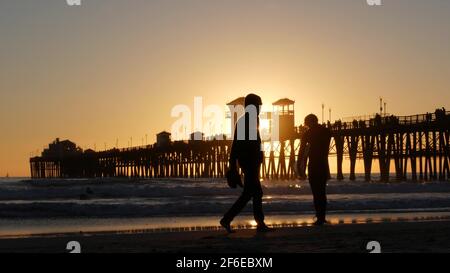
x,y
233,178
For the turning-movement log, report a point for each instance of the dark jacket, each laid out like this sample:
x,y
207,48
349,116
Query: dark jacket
x,y
315,145
246,147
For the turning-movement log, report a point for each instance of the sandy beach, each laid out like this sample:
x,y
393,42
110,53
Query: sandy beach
x,y
426,236
154,216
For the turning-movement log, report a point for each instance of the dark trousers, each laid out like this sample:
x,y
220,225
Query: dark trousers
x,y
318,187
252,190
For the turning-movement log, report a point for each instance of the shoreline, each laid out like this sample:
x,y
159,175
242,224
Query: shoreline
x,y
54,227
426,236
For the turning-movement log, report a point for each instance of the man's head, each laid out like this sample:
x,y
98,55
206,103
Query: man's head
x,y
311,120
254,100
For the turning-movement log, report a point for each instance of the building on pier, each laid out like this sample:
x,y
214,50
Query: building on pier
x,y
197,136
237,109
283,110
163,139
59,149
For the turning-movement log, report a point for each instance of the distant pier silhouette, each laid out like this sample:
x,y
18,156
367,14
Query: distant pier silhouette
x,y
418,147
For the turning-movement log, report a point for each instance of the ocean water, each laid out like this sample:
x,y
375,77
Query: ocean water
x,y
74,205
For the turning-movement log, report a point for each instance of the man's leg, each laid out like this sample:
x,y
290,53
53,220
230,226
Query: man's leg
x,y
318,187
237,207
312,184
257,208
322,196
253,186
257,194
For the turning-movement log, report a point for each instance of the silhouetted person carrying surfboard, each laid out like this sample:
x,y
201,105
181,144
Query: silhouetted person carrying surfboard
x,y
246,151
314,147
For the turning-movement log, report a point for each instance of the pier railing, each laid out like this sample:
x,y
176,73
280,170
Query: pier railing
x,y
384,120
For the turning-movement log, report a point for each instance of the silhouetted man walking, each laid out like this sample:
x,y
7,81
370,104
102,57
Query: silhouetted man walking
x,y
246,151
314,146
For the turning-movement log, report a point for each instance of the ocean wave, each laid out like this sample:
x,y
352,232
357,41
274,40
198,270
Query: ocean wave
x,y
125,188
199,197
191,206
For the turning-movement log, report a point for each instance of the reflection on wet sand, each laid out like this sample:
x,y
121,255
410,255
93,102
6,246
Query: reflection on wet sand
x,y
63,227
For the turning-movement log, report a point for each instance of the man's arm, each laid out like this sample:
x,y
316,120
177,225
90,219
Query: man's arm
x,y
329,136
302,156
233,153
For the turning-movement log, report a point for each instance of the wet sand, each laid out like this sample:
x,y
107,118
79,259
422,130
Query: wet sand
x,y
426,236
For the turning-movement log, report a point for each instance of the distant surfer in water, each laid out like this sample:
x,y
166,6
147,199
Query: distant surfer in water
x,y
314,147
246,151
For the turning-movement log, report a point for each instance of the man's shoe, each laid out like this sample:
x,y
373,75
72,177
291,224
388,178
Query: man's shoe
x,y
226,225
264,228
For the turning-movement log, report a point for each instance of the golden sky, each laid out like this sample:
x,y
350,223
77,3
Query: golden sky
x,y
113,69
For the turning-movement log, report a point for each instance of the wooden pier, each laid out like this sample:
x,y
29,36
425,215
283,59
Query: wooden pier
x,y
405,148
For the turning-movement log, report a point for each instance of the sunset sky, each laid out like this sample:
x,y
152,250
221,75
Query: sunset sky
x,y
113,69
